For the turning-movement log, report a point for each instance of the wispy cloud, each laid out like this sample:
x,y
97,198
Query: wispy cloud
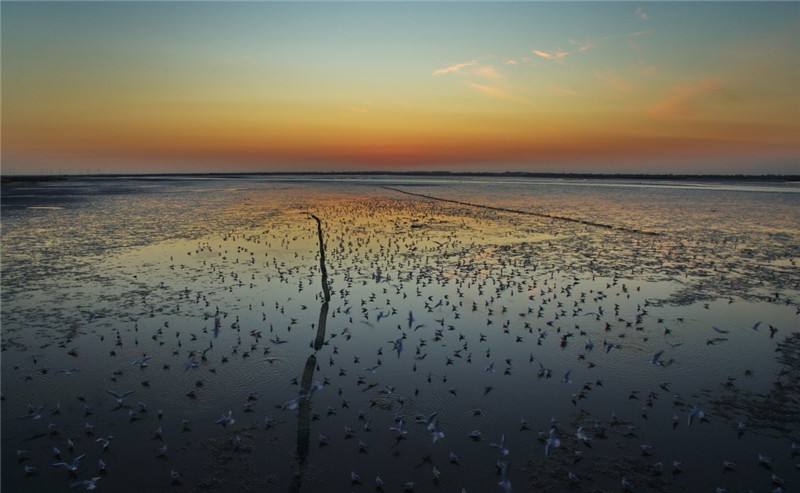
x,y
640,13
455,68
480,77
582,47
559,55
552,55
486,71
493,91
685,100
471,68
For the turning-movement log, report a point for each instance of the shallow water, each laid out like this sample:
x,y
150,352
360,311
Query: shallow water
x,y
218,282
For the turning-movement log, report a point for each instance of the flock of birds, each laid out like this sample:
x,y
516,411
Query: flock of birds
x,y
443,316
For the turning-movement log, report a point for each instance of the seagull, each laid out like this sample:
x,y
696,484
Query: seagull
x,y
226,419
119,397
552,442
399,429
626,485
141,363
397,345
87,484
433,427
501,446
657,358
695,412
504,483
72,467
105,441
582,437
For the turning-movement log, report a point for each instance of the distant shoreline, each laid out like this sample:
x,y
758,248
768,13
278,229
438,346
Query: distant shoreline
x,y
436,174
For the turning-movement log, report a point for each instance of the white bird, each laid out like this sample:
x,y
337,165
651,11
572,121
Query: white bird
x,y
433,427
552,442
626,485
226,419
72,467
141,362
105,441
399,429
119,397
695,412
582,436
504,482
501,446
87,484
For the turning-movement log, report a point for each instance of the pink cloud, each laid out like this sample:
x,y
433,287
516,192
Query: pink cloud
x,y
492,91
685,100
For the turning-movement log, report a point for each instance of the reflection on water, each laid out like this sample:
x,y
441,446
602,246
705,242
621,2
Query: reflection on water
x,y
206,296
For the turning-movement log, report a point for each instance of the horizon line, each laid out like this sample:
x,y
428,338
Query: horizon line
x,y
523,174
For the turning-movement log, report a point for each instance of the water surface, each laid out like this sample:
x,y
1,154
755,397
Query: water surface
x,y
484,317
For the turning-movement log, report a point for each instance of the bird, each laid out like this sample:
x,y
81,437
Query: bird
x,y
501,446
119,398
87,484
552,442
226,419
71,467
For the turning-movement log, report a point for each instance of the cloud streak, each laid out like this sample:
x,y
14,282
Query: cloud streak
x,y
492,91
451,69
471,68
558,55
552,55
685,100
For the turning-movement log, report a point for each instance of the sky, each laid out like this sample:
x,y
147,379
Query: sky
x,y
147,87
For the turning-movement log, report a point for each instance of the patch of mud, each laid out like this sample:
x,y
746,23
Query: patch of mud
x,y
232,464
774,412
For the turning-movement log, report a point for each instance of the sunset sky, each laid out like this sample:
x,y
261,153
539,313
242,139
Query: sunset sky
x,y
606,87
